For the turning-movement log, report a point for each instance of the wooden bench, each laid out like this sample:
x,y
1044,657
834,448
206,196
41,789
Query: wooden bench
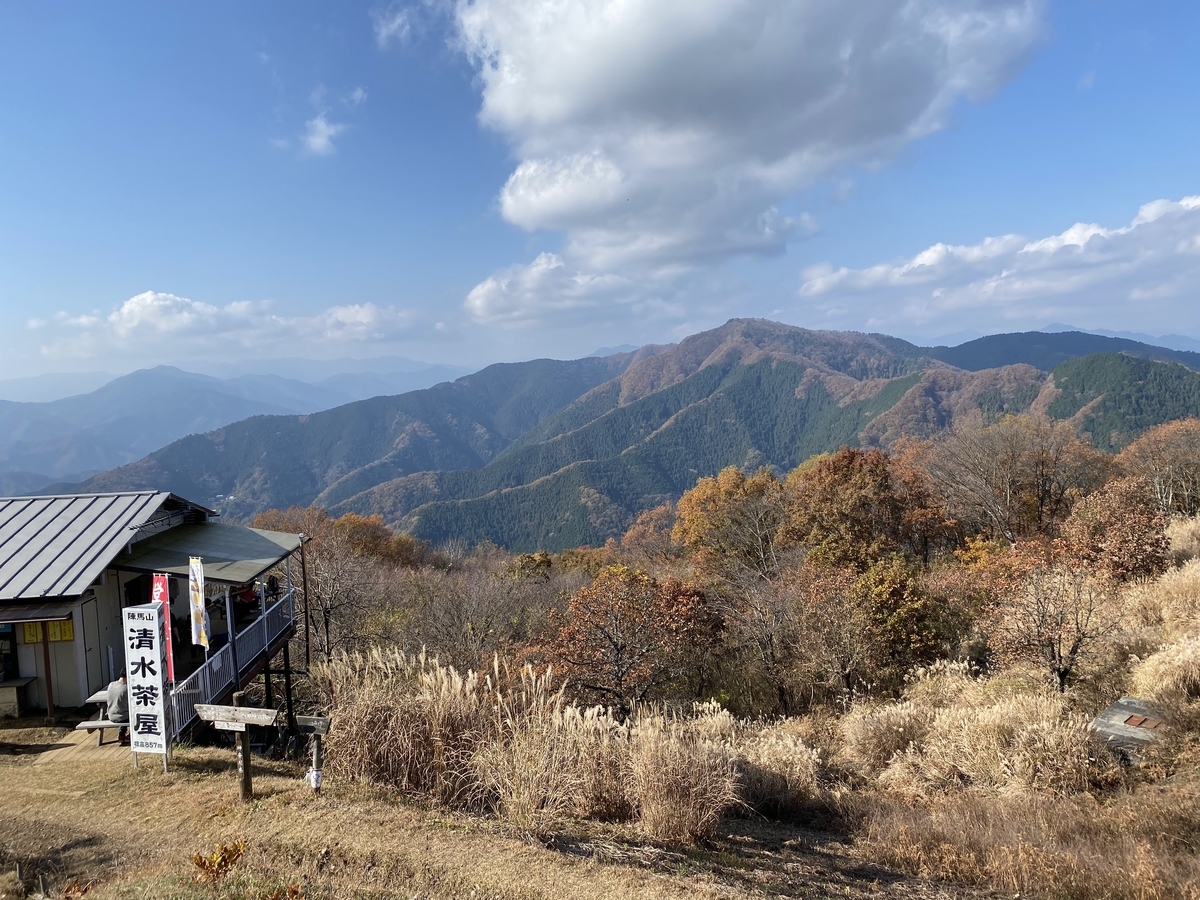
x,y
99,725
100,698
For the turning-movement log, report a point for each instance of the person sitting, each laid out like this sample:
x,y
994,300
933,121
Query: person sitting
x,y
118,706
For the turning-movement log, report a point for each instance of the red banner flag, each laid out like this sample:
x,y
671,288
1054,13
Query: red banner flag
x,y
160,593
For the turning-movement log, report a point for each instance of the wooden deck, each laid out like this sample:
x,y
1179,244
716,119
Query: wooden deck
x,y
79,746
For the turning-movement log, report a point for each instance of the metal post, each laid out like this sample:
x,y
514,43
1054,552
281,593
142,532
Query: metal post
x,y
237,672
316,764
45,626
307,617
245,786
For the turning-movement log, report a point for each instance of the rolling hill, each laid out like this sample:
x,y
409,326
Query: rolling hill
x,y
557,454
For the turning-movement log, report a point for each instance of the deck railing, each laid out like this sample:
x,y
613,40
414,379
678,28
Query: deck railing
x,y
216,676
203,686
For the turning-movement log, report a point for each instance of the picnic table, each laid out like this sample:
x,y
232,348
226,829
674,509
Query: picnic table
x,y
100,698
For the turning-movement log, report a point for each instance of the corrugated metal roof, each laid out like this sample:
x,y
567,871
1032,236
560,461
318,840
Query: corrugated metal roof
x,y
35,612
232,554
56,546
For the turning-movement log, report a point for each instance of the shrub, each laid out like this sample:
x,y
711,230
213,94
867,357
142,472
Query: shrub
x,y
875,734
778,772
1119,530
680,783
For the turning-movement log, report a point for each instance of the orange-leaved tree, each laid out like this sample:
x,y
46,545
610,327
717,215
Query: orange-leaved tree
x,y
854,506
622,639
1119,531
731,525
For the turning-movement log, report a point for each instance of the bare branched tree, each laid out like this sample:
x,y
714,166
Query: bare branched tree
x,y
1018,477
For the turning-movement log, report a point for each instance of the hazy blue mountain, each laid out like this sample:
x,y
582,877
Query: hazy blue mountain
x,y
1171,341
317,370
361,385
53,386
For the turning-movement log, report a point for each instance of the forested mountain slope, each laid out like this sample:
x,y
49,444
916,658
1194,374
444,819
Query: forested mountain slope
x,y
555,454
269,461
1048,350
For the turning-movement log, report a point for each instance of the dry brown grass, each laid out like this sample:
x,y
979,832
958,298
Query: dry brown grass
x,y
1170,606
1134,848
875,734
779,773
681,782
1172,674
507,743
1183,536
1022,744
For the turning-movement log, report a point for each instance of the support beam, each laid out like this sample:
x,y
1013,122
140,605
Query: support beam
x,y
307,617
287,687
45,626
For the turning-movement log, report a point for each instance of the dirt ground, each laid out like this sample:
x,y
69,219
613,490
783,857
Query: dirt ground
x,y
103,829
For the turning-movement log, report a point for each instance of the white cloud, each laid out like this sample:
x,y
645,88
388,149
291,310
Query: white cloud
x,y
663,135
160,324
357,97
319,133
1138,276
390,24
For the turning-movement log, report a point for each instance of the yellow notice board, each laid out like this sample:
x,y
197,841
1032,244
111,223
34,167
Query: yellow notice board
x,y
59,631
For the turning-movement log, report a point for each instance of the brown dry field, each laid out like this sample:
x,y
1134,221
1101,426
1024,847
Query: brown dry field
x,y
102,829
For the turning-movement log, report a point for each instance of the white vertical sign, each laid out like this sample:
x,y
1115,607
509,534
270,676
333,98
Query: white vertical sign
x,y
145,672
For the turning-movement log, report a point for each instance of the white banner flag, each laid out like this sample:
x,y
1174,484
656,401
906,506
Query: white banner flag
x,y
200,624
145,665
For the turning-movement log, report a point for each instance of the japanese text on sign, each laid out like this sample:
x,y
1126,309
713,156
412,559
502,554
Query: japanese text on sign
x,y
145,651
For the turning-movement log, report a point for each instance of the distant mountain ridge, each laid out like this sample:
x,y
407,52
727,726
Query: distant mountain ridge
x,y
130,416
556,454
283,460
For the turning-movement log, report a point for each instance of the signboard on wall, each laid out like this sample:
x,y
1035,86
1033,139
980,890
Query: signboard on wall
x,y
59,631
145,671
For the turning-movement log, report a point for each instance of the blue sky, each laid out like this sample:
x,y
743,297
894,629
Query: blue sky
x,y
502,179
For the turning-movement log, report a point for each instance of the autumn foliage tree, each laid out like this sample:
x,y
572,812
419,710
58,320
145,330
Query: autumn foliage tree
x,y
1169,458
622,639
1119,531
731,525
853,507
1018,477
347,559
